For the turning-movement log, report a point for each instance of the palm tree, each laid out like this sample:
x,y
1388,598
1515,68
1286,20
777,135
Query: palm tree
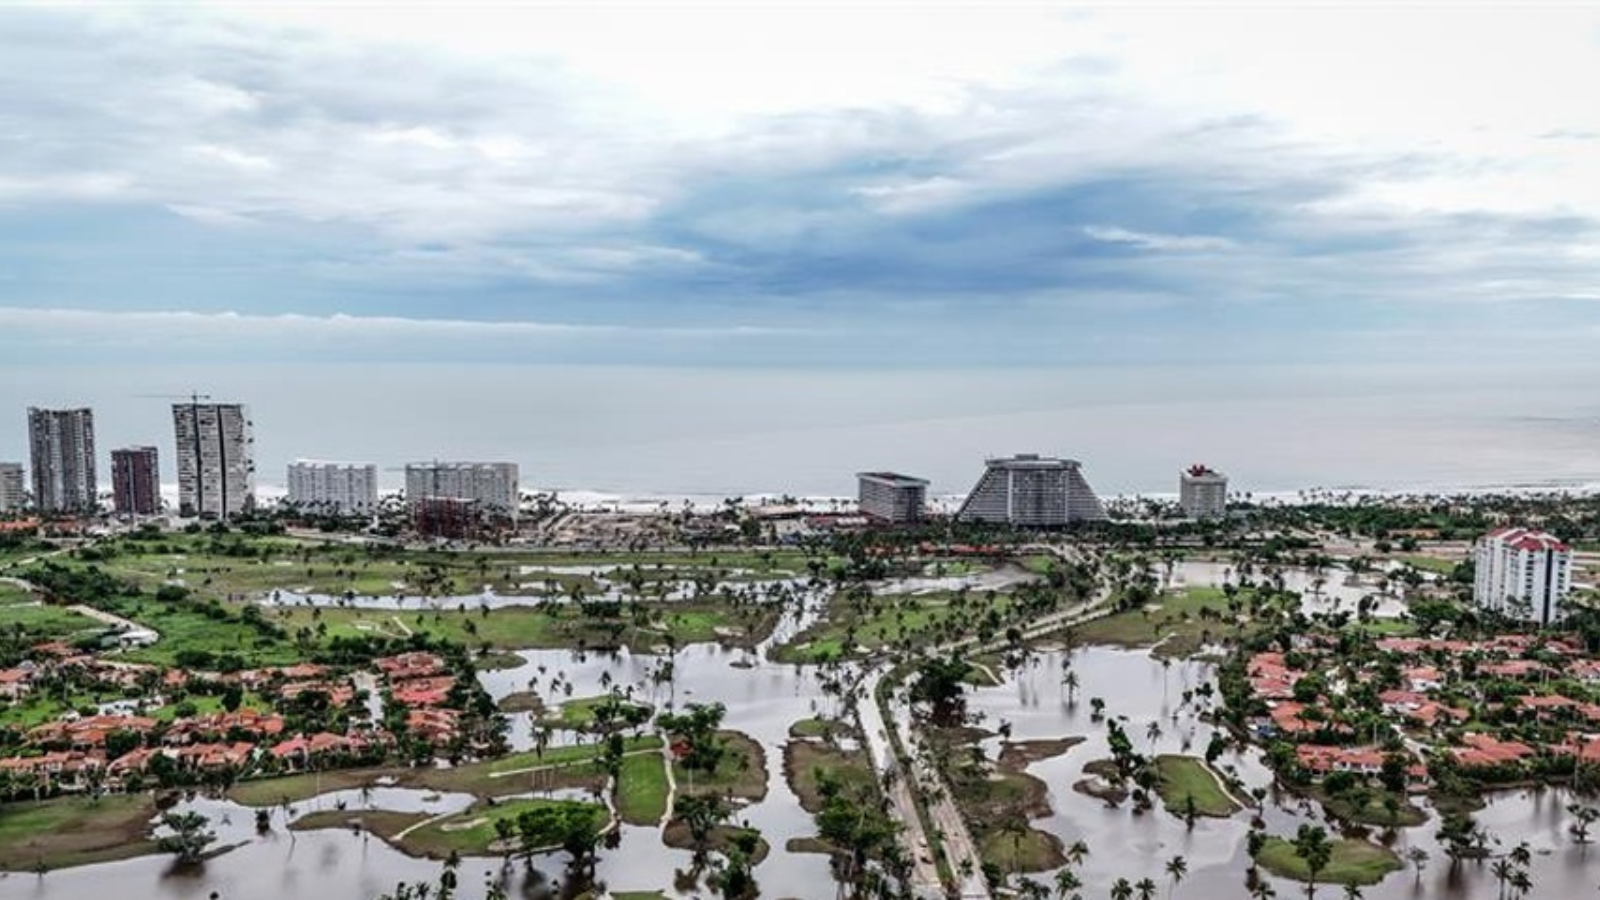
x,y
1262,890
1351,892
1311,844
1076,853
1145,888
1177,867
1067,882
1121,890
1419,860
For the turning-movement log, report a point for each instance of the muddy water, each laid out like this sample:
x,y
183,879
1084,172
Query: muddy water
x,y
1037,705
762,700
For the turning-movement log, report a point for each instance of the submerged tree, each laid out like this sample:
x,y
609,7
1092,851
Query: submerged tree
x,y
189,838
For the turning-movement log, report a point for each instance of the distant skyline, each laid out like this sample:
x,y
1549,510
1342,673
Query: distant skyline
x,y
798,185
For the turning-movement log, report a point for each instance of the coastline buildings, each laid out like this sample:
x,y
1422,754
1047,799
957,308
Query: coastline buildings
x,y
216,459
62,446
447,518
1032,490
1523,574
1203,492
136,481
13,495
333,488
891,497
493,486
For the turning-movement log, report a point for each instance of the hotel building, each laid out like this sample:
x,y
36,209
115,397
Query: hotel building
x,y
1032,490
891,497
492,485
333,488
1203,492
1523,574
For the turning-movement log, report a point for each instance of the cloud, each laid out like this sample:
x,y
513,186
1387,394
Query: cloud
x,y
947,172
1113,235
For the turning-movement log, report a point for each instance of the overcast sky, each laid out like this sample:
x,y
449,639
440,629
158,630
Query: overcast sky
x,y
817,183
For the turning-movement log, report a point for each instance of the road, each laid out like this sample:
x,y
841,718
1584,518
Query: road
x,y
943,813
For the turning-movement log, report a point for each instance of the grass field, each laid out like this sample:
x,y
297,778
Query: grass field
x,y
530,627
803,761
642,789
1186,779
1353,862
577,714
1174,621
472,832
1429,563
855,625
74,831
741,773
41,622
1375,811
513,774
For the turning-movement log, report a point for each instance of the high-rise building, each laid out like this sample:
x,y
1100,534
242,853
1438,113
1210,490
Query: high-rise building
x,y
1523,574
136,481
333,488
62,442
1203,492
492,485
216,459
13,493
1032,490
891,497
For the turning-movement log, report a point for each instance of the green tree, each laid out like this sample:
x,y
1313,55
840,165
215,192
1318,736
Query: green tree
x,y
1312,846
188,838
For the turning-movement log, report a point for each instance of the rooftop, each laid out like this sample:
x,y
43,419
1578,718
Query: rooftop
x,y
893,478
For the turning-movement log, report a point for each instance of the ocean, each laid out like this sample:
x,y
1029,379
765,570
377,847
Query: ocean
x,y
720,432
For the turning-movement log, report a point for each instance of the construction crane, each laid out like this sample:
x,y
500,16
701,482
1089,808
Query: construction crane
x,y
194,398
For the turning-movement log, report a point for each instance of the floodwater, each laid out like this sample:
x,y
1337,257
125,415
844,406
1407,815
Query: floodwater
x,y
762,700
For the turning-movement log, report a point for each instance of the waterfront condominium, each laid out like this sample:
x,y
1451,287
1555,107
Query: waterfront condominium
x,y
891,497
492,485
1032,490
62,444
333,488
13,495
1203,492
216,459
136,481
1523,574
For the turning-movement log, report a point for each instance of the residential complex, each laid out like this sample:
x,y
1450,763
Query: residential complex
x,y
492,485
13,494
216,459
62,445
333,488
1032,490
890,497
1524,575
448,518
136,481
1203,492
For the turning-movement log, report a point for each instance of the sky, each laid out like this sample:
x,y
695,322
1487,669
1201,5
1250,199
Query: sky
x,y
819,184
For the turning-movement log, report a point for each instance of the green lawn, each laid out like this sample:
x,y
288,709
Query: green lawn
x,y
578,714
1353,862
41,622
805,761
1186,780
742,771
870,624
74,831
642,789
1174,620
1429,563
472,832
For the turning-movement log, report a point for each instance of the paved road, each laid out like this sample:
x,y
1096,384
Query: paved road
x,y
943,813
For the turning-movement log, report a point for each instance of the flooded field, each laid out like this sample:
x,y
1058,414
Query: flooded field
x,y
763,699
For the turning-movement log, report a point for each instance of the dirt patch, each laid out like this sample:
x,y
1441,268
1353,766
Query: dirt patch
x,y
676,835
381,822
522,701
1014,757
803,760
76,831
